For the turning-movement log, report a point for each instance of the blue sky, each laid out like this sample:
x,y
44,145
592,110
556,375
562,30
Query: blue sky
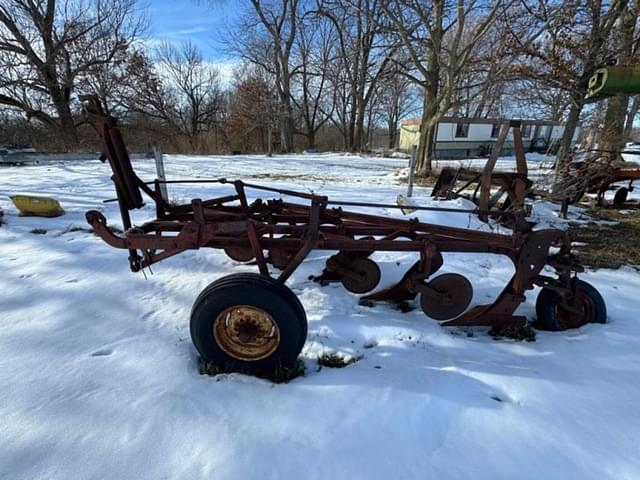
x,y
201,22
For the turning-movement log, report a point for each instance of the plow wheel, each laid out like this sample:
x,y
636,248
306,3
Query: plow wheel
x,y
248,322
360,275
588,307
240,254
447,297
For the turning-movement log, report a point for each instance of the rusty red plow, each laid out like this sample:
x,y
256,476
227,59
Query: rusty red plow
x,y
253,321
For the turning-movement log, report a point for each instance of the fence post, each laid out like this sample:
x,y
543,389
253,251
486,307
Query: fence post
x,y
157,152
412,166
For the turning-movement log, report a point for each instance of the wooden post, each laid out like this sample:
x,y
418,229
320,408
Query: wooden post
x,y
157,152
564,208
485,179
520,188
412,167
518,147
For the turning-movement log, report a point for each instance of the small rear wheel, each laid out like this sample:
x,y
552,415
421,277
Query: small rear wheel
x,y
588,307
248,322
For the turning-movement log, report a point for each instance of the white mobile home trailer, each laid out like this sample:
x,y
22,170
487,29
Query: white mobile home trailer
x,y
468,137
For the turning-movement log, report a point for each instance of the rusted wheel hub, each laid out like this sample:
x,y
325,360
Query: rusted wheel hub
x,y
246,333
582,312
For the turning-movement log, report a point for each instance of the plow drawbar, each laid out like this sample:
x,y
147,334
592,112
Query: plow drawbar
x,y
253,321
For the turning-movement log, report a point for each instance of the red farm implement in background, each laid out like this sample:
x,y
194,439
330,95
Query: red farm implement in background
x,y
253,321
596,172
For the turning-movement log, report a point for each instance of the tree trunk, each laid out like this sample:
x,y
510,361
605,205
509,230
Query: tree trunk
x,y
269,142
393,133
430,146
68,131
429,123
311,139
286,124
351,131
359,130
631,115
569,131
612,137
430,114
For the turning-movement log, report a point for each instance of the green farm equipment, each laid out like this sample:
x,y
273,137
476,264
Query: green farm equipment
x,y
615,80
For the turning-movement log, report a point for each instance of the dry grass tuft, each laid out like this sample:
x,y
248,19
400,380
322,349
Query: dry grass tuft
x,y
609,245
281,374
333,360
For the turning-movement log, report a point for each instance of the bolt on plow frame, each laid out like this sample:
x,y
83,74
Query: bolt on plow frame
x,y
254,322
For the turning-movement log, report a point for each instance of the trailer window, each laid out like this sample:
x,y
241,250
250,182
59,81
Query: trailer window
x,y
462,130
526,130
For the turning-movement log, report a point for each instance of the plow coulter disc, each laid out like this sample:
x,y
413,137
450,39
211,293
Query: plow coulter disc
x,y
240,254
361,275
450,295
281,257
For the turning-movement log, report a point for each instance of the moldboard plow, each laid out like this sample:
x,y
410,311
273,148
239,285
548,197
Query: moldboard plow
x,y
254,322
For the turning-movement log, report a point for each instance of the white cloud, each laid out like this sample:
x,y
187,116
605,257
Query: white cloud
x,y
179,33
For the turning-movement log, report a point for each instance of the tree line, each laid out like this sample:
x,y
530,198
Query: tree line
x,y
328,74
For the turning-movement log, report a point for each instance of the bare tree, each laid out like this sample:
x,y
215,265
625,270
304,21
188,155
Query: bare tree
x,y
265,37
615,133
525,98
47,46
577,40
252,122
313,52
482,83
183,92
398,98
116,83
364,56
441,39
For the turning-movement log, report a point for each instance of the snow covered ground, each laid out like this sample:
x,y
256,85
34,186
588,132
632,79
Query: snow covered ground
x,y
98,377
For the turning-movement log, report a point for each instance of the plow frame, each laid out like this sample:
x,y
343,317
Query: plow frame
x,y
289,231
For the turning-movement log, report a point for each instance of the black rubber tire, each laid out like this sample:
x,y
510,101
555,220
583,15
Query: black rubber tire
x,y
547,303
620,197
256,290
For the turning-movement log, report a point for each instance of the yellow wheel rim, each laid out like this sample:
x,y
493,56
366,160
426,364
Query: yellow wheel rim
x,y
246,333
